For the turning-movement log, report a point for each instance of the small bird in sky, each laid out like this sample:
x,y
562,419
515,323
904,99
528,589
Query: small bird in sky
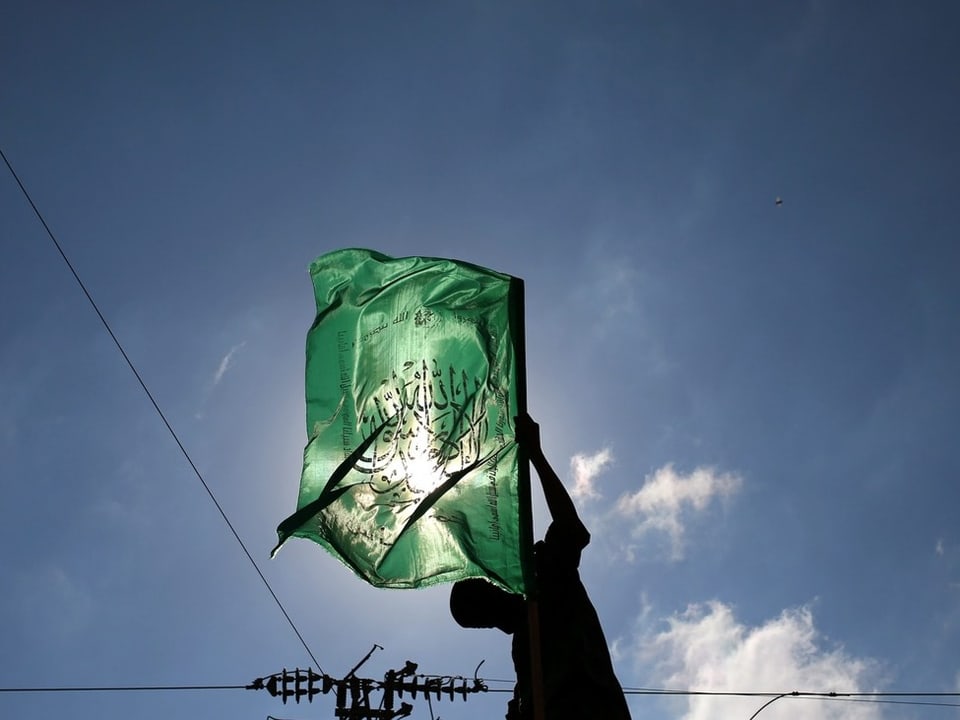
x,y
778,202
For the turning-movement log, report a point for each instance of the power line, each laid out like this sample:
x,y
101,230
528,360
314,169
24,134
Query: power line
x,y
119,688
880,698
794,693
859,697
767,704
156,406
898,702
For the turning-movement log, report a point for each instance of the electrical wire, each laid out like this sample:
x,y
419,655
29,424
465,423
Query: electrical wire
x,y
858,697
879,697
768,703
894,702
796,693
156,406
120,688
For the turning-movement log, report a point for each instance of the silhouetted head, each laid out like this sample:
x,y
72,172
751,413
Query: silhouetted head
x,y
476,603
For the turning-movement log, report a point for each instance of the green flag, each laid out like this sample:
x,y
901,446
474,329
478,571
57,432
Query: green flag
x,y
411,474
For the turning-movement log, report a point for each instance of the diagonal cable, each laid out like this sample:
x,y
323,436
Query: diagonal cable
x,y
156,406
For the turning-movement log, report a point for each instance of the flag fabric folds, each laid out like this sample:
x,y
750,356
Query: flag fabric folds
x,y
411,474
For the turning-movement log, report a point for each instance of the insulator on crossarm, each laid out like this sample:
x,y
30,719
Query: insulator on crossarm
x,y
286,679
450,688
306,684
279,685
312,688
296,684
298,680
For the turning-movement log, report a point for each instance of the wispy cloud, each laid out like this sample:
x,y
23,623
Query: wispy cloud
x,y
626,648
667,498
607,287
609,290
706,648
585,469
616,289
225,363
612,298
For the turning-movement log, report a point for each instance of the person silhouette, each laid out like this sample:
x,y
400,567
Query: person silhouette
x,y
578,676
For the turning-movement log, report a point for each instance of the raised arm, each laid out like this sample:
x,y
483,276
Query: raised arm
x,y
561,506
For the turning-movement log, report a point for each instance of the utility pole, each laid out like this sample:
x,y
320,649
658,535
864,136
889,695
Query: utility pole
x,y
354,695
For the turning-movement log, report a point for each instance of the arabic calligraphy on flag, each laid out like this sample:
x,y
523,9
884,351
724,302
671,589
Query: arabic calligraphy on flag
x,y
411,475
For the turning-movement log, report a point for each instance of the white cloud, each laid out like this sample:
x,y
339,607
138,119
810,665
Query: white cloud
x,y
623,648
939,549
225,363
585,469
222,368
706,648
667,497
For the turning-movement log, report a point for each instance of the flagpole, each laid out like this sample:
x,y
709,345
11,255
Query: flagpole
x,y
536,660
526,508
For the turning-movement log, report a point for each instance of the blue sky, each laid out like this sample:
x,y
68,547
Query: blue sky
x,y
756,404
